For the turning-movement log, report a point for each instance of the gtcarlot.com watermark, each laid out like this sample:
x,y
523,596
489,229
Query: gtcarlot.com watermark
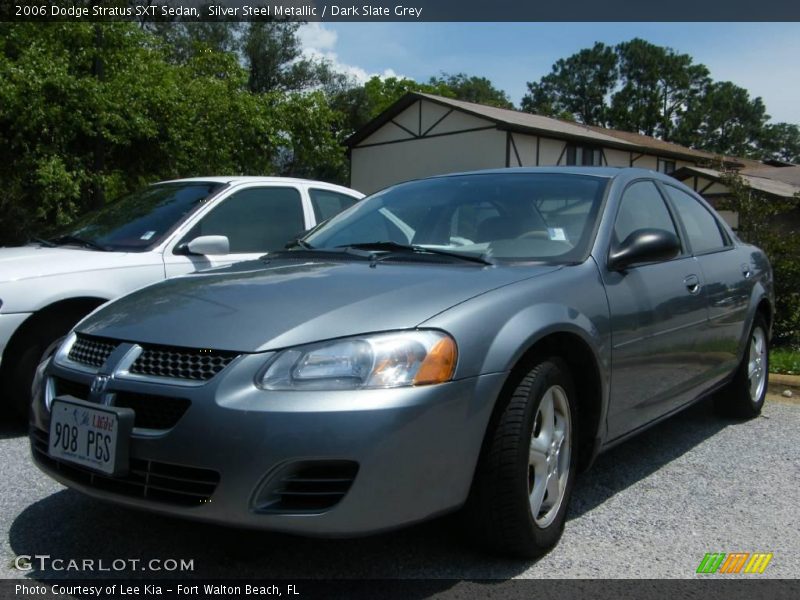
x,y
45,562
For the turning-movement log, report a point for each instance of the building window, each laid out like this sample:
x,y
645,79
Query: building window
x,y
666,166
586,156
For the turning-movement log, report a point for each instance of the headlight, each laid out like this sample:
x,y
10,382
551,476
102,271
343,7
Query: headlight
x,y
372,361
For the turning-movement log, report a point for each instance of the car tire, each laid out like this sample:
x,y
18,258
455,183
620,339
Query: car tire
x,y
525,463
743,397
39,342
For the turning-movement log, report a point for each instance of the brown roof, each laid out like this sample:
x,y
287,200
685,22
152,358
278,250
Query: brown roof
x,y
752,177
515,120
788,174
660,146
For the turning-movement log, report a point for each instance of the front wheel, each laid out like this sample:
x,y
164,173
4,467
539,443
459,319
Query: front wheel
x,y
744,396
518,502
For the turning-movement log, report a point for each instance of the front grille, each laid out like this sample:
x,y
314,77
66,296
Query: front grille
x,y
65,387
151,411
157,481
308,487
181,363
91,351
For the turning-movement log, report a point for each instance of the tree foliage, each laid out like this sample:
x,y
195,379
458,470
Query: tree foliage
x,y
653,90
771,224
475,89
655,86
725,120
781,141
152,117
577,87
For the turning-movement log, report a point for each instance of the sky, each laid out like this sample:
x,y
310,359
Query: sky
x,y
760,57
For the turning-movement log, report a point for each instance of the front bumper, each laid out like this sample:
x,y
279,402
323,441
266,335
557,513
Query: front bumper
x,y
415,449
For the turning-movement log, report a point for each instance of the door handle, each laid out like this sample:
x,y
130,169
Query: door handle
x,y
746,271
692,284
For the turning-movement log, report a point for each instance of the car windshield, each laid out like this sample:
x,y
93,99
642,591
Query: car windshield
x,y
142,219
508,216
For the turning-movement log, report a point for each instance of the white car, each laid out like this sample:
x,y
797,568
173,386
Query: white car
x,y
167,229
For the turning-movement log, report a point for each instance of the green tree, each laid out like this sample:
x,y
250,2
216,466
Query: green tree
x,y
312,138
472,89
781,141
656,86
156,119
274,57
358,105
577,87
724,119
185,40
763,222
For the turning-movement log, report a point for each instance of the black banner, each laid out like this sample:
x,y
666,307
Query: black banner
x,y
399,10
527,589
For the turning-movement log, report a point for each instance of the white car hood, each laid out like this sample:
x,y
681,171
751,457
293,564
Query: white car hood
x,y
28,262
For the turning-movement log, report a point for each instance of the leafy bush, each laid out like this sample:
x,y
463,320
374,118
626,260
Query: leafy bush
x,y
763,221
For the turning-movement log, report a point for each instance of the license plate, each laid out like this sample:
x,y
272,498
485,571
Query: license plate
x,y
89,435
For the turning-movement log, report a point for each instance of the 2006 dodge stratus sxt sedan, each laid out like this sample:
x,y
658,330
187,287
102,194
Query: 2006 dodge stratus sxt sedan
x,y
466,341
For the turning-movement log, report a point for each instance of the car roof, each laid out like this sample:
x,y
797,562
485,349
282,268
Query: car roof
x,y
608,172
237,179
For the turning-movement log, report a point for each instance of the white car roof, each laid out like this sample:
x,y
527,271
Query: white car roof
x,y
234,180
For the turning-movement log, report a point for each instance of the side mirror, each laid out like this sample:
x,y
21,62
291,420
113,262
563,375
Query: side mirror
x,y
209,245
643,246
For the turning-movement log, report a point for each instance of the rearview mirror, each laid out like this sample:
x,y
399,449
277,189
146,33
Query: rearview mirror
x,y
209,245
643,246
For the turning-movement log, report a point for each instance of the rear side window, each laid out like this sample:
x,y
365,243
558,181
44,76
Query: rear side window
x,y
642,207
327,203
701,226
255,219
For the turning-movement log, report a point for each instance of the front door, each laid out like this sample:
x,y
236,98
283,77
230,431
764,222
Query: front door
x,y
658,317
255,220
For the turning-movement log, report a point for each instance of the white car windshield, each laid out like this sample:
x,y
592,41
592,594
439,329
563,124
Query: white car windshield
x,y
140,220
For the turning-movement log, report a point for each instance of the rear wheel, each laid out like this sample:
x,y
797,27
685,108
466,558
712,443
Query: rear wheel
x,y
518,503
744,396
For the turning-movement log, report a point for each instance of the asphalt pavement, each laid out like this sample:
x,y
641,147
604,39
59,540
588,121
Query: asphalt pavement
x,y
650,508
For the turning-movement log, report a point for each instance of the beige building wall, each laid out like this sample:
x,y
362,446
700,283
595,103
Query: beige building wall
x,y
550,151
376,167
429,139
646,161
617,158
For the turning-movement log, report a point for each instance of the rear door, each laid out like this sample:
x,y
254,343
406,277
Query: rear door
x,y
658,318
727,273
254,218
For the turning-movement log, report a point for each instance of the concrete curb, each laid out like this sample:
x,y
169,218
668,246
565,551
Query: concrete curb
x,y
778,382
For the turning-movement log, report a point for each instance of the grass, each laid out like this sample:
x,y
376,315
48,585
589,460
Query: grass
x,y
785,361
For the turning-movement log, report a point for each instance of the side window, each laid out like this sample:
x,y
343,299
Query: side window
x,y
701,226
254,219
327,203
642,207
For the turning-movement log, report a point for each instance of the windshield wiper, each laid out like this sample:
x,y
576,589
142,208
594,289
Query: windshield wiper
x,y
299,243
73,239
395,247
43,242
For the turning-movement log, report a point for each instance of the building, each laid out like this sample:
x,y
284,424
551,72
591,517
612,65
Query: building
x,y
422,135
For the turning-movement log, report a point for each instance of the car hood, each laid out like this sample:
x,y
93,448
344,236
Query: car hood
x,y
253,307
28,262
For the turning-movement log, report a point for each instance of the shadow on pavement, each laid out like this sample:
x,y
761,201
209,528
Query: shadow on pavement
x,y
69,525
644,454
12,428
